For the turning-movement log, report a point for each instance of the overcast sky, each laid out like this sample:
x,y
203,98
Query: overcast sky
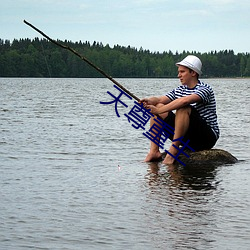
x,y
157,25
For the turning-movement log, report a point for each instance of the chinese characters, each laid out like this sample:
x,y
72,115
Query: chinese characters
x,y
139,116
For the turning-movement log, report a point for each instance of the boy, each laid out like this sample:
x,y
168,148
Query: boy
x,y
195,118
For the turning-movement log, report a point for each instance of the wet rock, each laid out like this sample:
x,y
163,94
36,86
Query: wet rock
x,y
207,157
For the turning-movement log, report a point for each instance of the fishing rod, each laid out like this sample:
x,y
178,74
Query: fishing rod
x,y
84,59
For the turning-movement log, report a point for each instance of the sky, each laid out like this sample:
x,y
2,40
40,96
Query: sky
x,y
155,25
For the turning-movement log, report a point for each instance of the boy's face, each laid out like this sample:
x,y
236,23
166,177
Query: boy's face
x,y
185,75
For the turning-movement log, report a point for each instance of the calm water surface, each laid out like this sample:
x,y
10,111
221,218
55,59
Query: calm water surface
x,y
72,176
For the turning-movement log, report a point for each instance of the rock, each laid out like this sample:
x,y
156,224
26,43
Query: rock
x,y
213,157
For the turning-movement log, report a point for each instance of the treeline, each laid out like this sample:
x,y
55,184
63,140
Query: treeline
x,y
41,58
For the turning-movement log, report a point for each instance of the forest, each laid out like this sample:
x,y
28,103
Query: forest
x,y
41,58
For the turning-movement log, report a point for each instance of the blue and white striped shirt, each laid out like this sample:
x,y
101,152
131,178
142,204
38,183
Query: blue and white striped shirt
x,y
206,108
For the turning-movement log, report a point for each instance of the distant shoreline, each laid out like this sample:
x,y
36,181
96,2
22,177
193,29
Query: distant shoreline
x,y
41,58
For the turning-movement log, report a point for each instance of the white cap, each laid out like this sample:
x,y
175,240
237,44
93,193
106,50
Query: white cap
x,y
191,62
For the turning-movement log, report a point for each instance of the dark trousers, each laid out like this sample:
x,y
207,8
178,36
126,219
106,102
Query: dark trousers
x,y
201,136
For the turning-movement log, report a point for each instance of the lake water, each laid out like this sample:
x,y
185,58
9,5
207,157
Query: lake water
x,y
72,174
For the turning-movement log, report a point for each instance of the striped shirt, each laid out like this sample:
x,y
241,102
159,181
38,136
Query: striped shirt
x,y
206,108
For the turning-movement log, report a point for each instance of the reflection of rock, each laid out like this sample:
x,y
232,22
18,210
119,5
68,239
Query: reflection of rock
x,y
207,157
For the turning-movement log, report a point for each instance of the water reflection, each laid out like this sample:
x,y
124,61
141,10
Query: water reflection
x,y
188,177
183,198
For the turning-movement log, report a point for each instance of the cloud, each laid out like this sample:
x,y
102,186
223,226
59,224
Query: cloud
x,y
149,2
225,5
222,2
152,24
83,6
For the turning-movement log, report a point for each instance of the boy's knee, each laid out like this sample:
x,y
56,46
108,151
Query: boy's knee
x,y
159,105
163,115
184,110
